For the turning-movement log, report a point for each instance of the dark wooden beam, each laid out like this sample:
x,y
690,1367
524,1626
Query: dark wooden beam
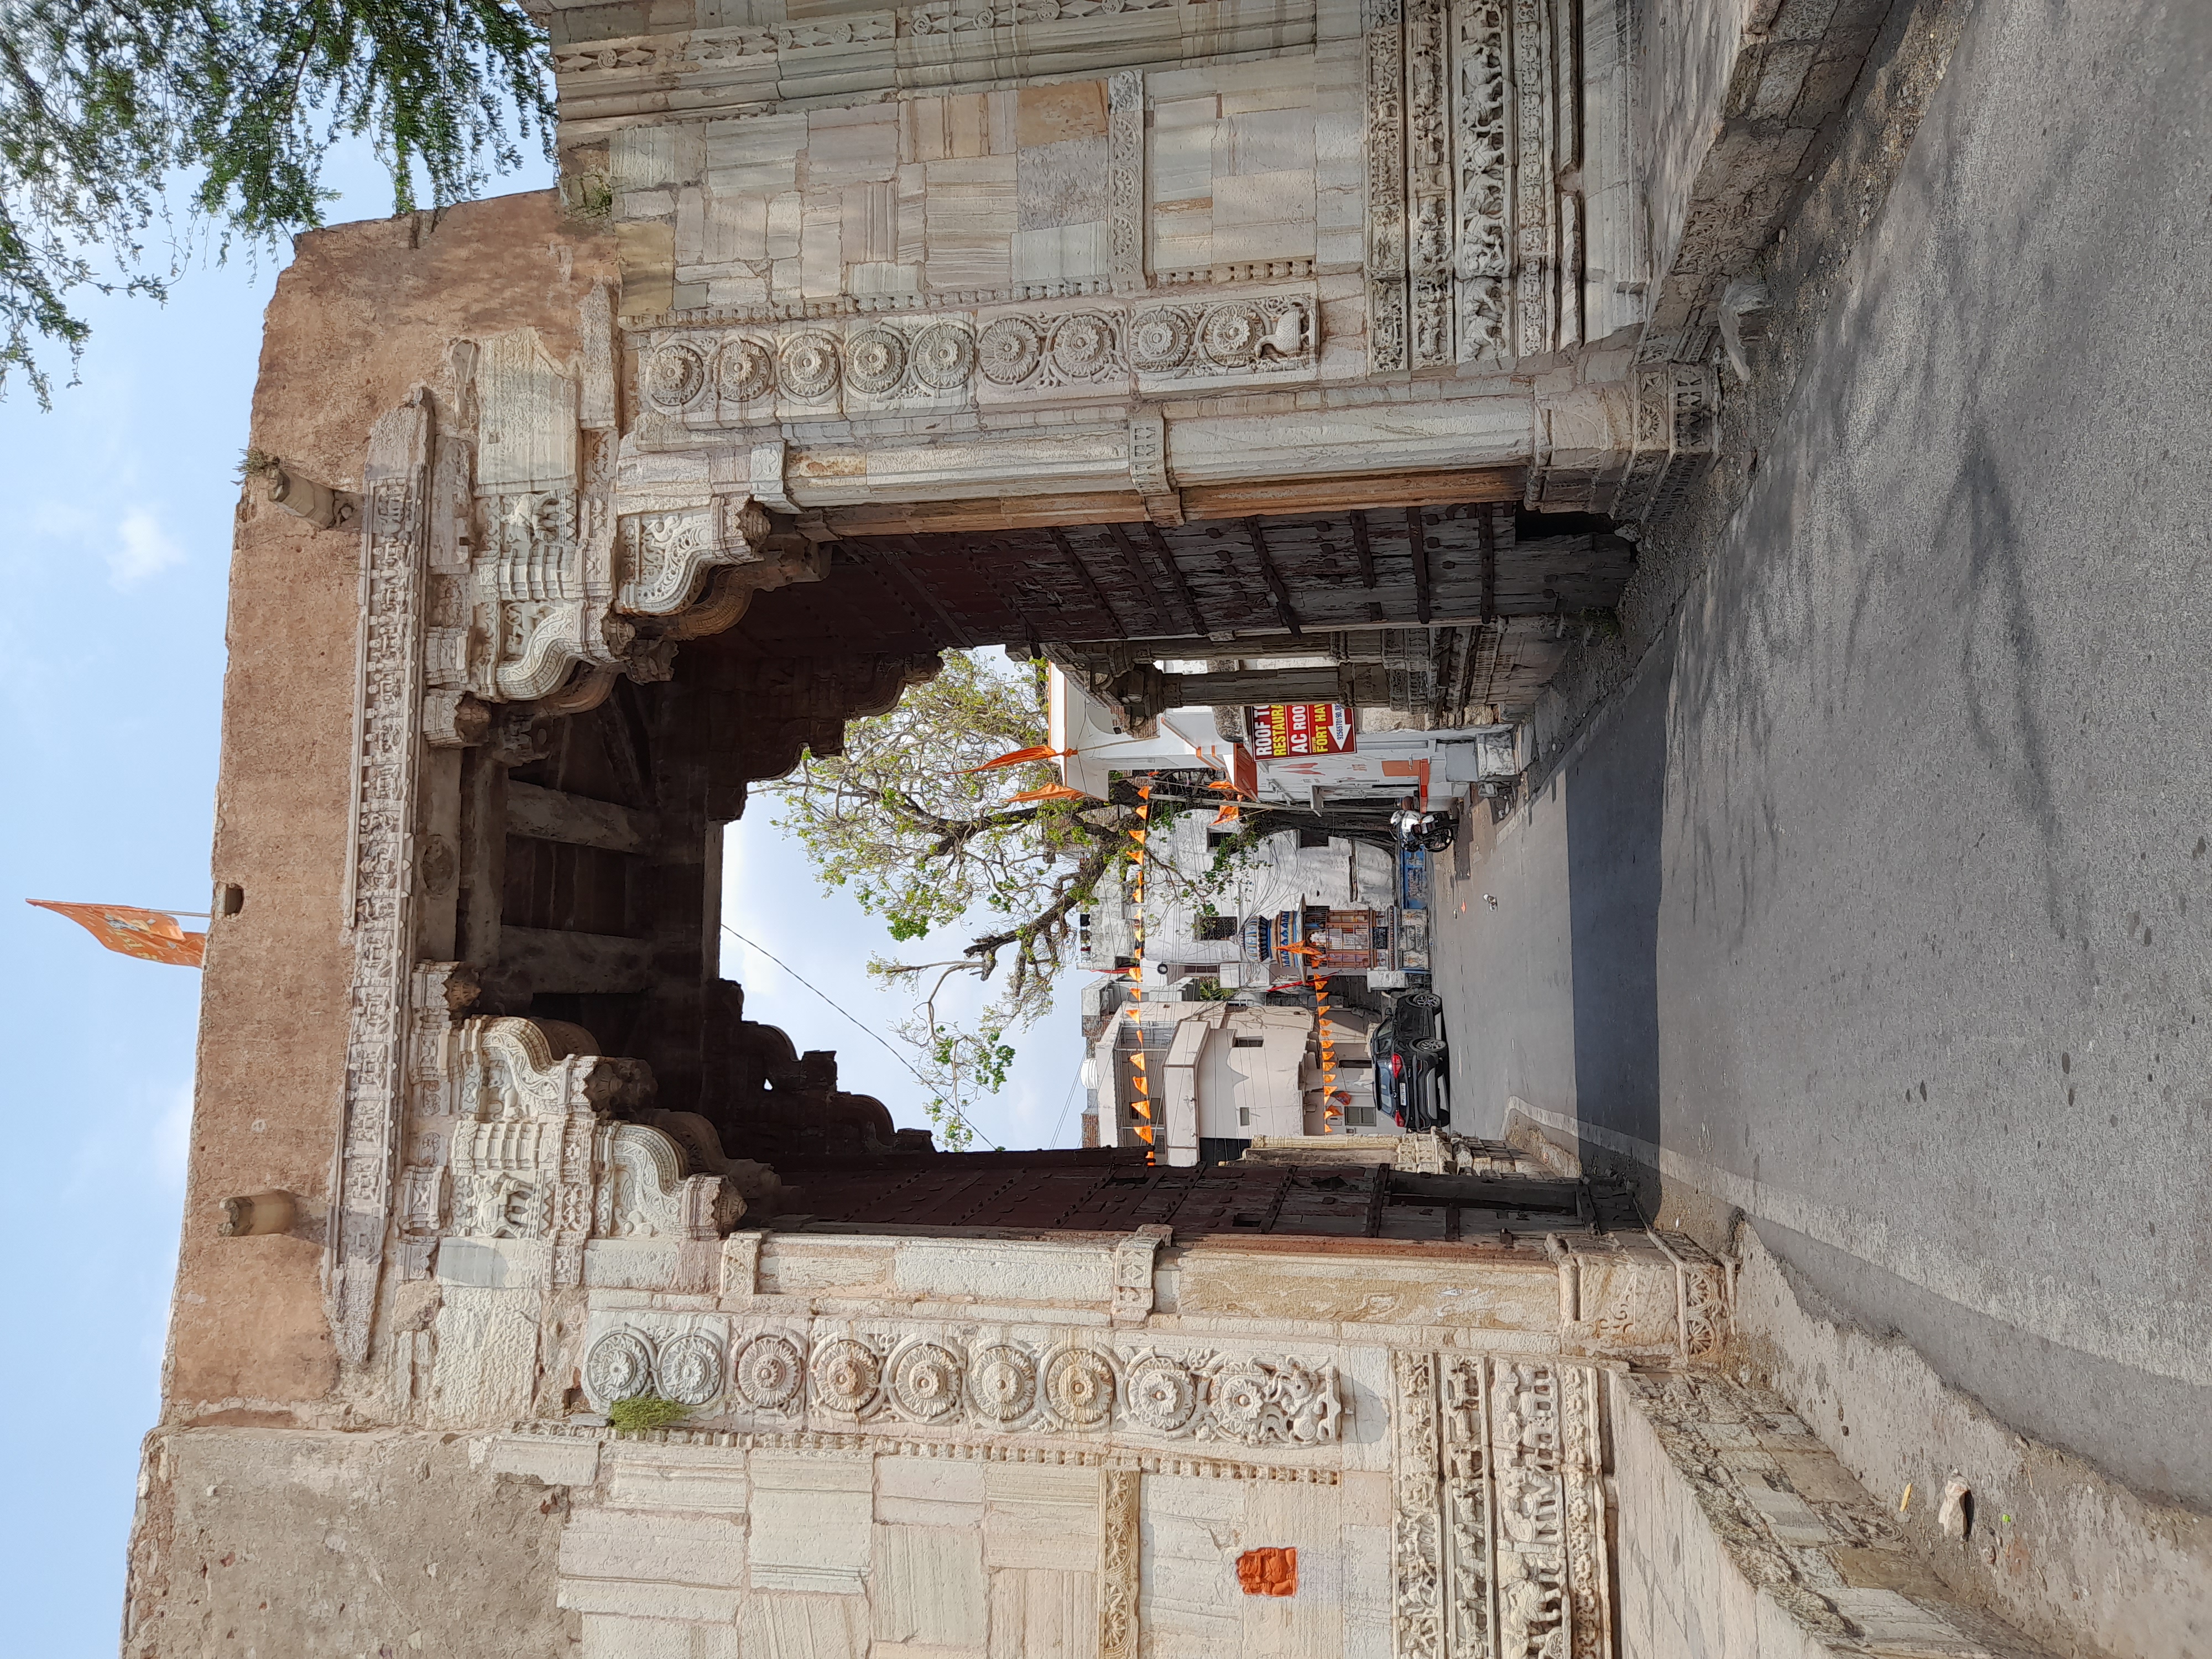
x,y
1417,541
1281,593
903,581
1361,551
1132,571
1090,583
1489,527
553,959
550,815
1166,554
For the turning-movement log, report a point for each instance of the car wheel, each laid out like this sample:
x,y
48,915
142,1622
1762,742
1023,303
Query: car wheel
x,y
1427,1000
1429,1048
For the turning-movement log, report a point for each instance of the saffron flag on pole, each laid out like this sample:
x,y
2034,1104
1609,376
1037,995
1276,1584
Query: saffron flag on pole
x,y
149,935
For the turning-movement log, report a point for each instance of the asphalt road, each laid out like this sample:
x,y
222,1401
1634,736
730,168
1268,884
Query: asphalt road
x,y
1880,901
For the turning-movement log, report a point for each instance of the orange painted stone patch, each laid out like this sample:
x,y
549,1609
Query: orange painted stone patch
x,y
1269,1572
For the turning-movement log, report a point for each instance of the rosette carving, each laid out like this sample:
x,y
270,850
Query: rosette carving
x,y
1161,1395
806,367
846,1374
770,1370
925,1381
875,359
688,1368
1161,339
1082,345
1079,1383
618,1367
675,374
943,356
1002,1383
1010,350
746,371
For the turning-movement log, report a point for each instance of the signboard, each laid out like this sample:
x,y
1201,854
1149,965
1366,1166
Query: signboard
x,y
1412,878
1283,729
1351,941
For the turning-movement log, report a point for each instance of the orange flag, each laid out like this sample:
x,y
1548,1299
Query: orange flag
x,y
1050,791
1018,758
149,935
1227,814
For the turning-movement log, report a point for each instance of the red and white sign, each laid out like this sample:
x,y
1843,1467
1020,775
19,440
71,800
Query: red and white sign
x,y
1279,729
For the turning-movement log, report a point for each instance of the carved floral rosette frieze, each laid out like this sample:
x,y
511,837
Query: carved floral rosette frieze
x,y
1499,1542
1466,261
936,1378
705,376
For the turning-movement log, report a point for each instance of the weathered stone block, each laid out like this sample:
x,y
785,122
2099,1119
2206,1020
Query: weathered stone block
x,y
1041,1516
928,1586
929,1491
811,1522
1051,114
1061,184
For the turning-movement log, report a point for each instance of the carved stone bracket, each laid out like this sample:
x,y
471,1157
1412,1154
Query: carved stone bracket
x,y
1631,449
1134,1260
535,1155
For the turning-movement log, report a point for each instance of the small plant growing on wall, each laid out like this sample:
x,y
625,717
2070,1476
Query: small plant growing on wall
x,y
643,1411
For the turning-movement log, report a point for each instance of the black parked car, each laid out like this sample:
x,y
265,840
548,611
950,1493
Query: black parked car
x,y
1411,1068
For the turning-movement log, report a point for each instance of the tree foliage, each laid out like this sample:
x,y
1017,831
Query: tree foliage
x,y
898,821
104,104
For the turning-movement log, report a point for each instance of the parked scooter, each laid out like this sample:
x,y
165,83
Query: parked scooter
x,y
1416,830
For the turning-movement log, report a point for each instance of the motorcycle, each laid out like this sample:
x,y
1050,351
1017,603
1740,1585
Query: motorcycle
x,y
1419,831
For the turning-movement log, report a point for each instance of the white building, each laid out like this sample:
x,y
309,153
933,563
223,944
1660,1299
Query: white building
x,y
1218,1072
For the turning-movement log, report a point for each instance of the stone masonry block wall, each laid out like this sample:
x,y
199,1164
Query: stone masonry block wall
x,y
363,313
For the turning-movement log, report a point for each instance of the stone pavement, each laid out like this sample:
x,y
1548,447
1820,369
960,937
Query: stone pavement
x,y
1872,901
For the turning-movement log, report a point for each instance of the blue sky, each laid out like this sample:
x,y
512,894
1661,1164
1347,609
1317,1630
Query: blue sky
x,y
115,560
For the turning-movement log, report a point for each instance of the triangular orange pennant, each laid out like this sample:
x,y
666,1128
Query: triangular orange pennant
x,y
149,935
1050,791
1036,751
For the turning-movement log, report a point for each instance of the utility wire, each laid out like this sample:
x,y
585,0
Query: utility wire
x,y
1054,1139
959,1115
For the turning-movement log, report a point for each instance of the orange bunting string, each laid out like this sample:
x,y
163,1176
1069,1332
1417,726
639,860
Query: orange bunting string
x,y
1037,751
1227,814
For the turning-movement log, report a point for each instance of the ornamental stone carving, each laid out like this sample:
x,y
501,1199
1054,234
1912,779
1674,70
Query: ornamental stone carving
x,y
618,1367
925,1381
845,1373
1498,1541
698,377
1002,1384
536,1157
1162,1395
688,1369
770,1369
936,1380
1079,1386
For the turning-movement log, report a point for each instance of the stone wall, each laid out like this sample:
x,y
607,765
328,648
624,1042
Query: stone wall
x,y
1741,1537
363,313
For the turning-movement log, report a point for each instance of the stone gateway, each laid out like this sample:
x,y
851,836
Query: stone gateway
x,y
1121,331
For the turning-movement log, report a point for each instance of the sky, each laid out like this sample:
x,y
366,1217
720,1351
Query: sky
x,y
115,559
